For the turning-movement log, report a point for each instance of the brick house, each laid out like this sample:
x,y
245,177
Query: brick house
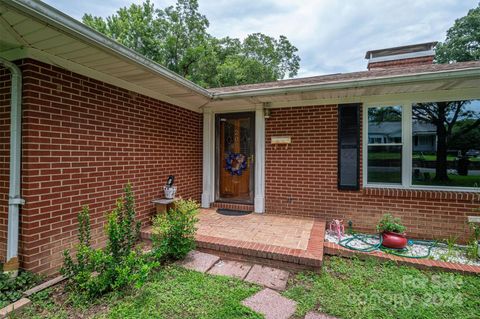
x,y
95,115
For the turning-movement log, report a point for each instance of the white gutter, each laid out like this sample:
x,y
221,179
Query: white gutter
x,y
351,84
65,23
14,198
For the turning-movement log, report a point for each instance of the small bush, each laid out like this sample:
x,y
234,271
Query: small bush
x,y
97,271
388,223
122,230
173,233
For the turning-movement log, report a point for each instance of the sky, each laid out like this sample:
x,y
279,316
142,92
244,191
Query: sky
x,y
332,36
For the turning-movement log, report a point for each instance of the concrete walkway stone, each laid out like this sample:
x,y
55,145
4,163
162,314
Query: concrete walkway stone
x,y
316,315
271,304
231,268
198,261
269,277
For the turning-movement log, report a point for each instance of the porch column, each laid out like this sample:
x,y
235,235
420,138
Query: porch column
x,y
259,204
207,193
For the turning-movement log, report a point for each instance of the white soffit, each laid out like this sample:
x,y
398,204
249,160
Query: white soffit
x,y
29,33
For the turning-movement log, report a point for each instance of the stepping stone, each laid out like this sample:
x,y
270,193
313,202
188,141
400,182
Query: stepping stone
x,y
271,304
198,261
316,315
269,277
230,268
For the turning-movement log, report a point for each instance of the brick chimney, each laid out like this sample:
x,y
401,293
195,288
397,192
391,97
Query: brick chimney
x,y
404,56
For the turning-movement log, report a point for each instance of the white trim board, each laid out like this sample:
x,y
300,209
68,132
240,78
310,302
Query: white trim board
x,y
209,176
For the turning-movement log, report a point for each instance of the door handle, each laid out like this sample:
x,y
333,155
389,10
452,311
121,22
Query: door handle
x,y
251,159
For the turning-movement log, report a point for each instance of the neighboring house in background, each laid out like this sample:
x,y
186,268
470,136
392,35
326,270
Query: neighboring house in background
x,y
97,115
424,135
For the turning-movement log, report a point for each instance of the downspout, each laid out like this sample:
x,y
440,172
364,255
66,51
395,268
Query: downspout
x,y
14,198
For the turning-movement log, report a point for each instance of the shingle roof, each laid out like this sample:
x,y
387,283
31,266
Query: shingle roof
x,y
353,76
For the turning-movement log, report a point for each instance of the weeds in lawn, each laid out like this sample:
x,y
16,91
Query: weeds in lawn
x,y
12,288
451,248
472,248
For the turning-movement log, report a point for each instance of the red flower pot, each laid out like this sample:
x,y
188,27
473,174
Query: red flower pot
x,y
394,240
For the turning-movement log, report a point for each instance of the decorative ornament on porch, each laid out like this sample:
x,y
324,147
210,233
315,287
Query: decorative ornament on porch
x,y
336,227
236,163
169,190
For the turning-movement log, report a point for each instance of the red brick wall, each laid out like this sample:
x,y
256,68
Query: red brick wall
x,y
302,180
4,157
401,63
83,140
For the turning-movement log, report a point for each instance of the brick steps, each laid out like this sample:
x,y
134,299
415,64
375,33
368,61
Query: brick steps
x,y
270,255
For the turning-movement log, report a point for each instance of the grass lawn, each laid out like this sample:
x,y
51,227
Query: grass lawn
x,y
455,180
433,157
346,288
384,177
350,288
173,292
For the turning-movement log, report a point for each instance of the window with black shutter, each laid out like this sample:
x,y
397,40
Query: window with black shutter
x,y
348,146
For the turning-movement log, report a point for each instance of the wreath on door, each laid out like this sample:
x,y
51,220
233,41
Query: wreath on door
x,y
236,163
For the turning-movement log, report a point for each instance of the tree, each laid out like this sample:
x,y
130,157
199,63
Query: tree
x,y
453,121
463,40
177,38
465,141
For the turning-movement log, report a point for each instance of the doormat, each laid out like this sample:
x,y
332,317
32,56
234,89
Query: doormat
x,y
232,212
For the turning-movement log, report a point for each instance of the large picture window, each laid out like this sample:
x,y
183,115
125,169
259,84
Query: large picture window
x,y
385,145
428,144
446,143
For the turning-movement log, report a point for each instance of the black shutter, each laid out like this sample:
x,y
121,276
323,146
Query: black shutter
x,y
349,146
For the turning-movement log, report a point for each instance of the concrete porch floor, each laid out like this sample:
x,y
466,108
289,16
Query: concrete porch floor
x,y
280,241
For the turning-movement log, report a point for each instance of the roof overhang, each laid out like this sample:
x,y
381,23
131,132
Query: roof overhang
x,y
32,29
453,84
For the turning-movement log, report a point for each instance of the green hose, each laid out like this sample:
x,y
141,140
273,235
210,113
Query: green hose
x,y
346,242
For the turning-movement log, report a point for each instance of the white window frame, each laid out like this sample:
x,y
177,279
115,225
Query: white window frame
x,y
366,144
407,144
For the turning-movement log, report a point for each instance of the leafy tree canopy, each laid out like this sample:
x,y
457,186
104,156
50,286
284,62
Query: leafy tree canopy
x,y
463,40
177,38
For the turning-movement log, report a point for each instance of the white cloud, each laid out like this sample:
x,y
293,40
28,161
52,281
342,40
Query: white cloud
x,y
332,36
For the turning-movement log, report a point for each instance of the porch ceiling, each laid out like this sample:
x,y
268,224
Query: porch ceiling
x,y
33,29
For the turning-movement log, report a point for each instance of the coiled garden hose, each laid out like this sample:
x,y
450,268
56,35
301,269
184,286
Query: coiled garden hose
x,y
347,243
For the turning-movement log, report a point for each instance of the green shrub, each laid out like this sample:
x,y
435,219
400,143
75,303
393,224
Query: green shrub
x,y
173,235
12,288
122,230
120,264
388,223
